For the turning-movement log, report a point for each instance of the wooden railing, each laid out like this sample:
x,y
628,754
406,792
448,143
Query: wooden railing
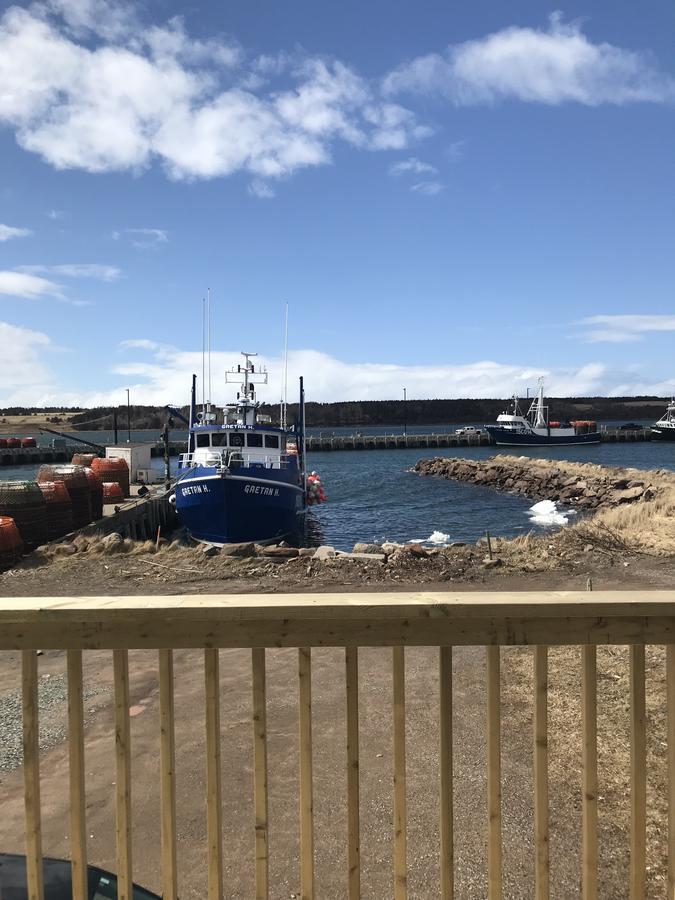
x,y
352,621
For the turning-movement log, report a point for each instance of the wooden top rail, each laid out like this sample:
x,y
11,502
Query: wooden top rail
x,y
337,620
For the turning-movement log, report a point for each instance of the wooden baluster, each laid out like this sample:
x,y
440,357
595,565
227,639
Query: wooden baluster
x,y
78,824
167,765
445,759
214,815
638,781
400,814
494,780
541,772
589,800
260,775
306,787
31,774
353,800
670,702
123,774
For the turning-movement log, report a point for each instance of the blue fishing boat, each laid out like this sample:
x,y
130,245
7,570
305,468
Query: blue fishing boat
x,y
535,428
242,479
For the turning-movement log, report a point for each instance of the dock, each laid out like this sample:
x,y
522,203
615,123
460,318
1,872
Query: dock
x,y
35,456
326,442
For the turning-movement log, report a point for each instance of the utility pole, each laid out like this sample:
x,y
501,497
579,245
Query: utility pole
x,y
128,418
115,438
405,413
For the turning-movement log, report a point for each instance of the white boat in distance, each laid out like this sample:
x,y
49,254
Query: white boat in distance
x,y
535,429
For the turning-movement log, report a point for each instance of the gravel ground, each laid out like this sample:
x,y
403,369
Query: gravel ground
x,y
52,703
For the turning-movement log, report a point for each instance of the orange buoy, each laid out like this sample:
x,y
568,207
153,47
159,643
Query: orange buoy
x,y
113,469
59,508
23,502
112,492
75,479
11,545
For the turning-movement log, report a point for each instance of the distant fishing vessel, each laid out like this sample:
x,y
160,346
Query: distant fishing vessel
x,y
243,479
535,429
664,429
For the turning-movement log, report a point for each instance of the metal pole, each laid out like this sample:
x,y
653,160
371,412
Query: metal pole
x,y
128,418
405,413
115,438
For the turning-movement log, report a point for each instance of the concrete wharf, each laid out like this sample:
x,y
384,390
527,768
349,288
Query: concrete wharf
x,y
327,442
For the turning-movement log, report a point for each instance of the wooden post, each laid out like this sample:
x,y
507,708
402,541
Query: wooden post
x,y
167,765
494,779
78,825
123,773
489,544
400,813
306,788
214,825
353,799
260,775
670,702
638,760
589,799
446,787
31,774
541,772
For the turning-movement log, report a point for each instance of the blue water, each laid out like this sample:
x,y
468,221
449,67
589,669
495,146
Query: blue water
x,y
373,495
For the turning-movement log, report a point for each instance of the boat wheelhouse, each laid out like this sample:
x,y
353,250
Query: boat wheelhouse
x,y
242,479
536,429
664,429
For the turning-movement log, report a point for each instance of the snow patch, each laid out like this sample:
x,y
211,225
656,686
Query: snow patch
x,y
546,513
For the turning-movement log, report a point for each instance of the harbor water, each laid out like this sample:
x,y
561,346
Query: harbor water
x,y
373,495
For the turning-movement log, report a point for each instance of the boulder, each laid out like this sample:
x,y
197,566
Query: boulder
x,y
324,552
209,550
367,548
415,550
244,549
628,495
364,557
391,547
281,552
112,542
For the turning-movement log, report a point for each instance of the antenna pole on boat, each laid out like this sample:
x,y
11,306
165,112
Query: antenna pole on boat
x,y
284,405
208,294
193,413
203,355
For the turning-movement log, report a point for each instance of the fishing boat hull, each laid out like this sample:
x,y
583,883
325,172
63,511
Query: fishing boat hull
x,y
505,437
259,505
662,434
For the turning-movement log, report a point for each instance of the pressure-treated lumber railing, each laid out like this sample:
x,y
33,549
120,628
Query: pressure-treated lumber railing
x,y
352,621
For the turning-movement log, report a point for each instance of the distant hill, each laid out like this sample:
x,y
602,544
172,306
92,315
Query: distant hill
x,y
358,413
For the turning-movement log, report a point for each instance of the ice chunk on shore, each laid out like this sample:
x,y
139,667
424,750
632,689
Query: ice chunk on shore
x,y
438,537
546,512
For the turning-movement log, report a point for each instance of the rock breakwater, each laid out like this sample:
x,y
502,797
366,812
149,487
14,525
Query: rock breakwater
x,y
581,485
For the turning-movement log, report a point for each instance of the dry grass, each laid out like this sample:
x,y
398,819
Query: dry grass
x,y
613,753
647,526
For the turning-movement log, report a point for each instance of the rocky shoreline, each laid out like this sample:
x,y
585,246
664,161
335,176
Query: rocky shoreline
x,y
582,485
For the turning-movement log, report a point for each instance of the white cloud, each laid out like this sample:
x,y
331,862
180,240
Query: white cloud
x,y
76,270
413,166
143,238
428,188
29,287
23,373
557,65
621,329
158,374
137,94
7,232
55,214
261,189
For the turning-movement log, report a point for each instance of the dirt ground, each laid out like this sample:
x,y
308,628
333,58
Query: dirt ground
x,y
181,570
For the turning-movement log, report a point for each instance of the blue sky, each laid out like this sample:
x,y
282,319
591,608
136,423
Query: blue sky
x,y
454,198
